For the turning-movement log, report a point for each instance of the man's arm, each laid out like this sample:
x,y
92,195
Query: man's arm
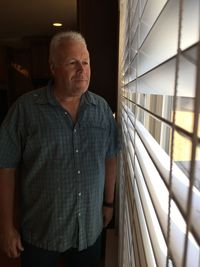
x,y
109,190
10,241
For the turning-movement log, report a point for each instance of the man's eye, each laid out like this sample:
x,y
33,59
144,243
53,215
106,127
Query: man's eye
x,y
72,62
85,63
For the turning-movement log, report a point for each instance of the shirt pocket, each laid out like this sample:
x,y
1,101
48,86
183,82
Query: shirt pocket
x,y
94,136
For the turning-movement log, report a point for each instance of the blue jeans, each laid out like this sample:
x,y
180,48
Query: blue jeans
x,y
37,257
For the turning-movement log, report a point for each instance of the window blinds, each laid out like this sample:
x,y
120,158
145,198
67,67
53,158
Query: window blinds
x,y
159,101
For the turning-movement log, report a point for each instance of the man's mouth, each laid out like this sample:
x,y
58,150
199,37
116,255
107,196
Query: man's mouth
x,y
80,80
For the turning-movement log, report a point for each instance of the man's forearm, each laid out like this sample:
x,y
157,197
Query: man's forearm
x,y
110,179
7,191
10,239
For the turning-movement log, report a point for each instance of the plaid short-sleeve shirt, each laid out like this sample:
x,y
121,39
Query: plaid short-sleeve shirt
x,y
62,167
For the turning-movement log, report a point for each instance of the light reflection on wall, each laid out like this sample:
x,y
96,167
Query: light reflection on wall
x,y
20,69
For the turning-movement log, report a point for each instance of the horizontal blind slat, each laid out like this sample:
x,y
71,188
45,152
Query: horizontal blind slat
x,y
160,200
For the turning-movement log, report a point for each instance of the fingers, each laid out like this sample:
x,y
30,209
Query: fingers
x,y
18,248
12,244
19,245
13,252
105,222
107,216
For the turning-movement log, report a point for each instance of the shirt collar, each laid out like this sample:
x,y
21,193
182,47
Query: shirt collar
x,y
45,95
88,98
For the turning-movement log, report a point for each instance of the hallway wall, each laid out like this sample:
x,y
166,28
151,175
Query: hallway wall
x,y
98,22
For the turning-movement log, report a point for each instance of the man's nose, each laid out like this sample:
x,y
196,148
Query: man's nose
x,y
80,66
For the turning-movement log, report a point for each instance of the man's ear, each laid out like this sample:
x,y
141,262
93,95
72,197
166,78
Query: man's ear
x,y
52,67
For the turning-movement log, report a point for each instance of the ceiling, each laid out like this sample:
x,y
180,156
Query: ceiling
x,y
29,18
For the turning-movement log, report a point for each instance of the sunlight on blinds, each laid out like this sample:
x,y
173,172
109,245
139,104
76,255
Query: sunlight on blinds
x,y
159,107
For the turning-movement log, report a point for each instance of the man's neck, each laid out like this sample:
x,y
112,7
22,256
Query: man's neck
x,y
69,103
64,97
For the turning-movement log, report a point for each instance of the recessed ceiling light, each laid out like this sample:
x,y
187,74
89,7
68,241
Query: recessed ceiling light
x,y
57,24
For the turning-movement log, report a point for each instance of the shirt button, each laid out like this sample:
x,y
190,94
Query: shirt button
x,y
74,130
76,150
79,194
78,172
65,113
79,214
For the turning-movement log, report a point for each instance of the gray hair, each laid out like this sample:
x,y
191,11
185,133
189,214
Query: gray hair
x,y
59,37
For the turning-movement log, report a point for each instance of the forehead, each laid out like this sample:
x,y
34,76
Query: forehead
x,y
72,48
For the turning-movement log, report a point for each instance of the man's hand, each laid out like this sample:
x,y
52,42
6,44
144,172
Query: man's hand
x,y
107,215
10,243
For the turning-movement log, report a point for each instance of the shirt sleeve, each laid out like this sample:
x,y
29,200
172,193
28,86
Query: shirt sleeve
x,y
10,139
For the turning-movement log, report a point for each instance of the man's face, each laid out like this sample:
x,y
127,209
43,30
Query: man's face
x,y
71,67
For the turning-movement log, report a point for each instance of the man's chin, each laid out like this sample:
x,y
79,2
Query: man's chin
x,y
79,91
